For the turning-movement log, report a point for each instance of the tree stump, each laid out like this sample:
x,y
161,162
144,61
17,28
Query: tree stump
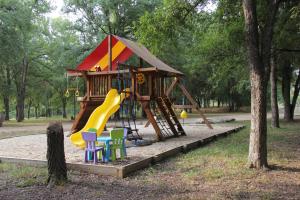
x,y
57,169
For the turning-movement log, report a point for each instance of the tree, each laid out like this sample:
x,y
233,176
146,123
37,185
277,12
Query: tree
x,y
63,47
259,44
205,46
23,20
286,44
274,101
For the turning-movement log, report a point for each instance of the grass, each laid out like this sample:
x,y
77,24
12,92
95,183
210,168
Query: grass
x,y
225,161
22,175
32,126
34,121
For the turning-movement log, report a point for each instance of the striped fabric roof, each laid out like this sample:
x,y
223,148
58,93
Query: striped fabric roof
x,y
122,50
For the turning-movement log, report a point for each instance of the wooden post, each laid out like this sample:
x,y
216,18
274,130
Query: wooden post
x,y
109,60
146,107
109,53
57,169
150,85
162,86
174,82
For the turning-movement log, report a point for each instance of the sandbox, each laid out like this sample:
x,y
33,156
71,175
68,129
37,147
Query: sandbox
x,y
32,149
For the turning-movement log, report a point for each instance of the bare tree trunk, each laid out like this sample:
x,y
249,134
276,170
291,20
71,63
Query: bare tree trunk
x,y
274,101
28,109
20,104
259,53
6,96
295,96
6,106
21,89
36,107
286,88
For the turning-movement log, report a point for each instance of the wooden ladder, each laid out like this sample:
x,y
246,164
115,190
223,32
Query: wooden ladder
x,y
165,106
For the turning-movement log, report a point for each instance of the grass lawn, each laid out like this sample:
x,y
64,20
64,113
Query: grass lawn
x,y
34,121
31,126
216,171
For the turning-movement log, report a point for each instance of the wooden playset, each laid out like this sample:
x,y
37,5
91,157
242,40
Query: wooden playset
x,y
107,67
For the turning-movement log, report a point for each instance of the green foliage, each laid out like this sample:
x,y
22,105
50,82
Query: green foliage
x,y
207,47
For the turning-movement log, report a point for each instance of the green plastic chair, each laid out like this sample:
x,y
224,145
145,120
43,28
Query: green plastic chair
x,y
117,138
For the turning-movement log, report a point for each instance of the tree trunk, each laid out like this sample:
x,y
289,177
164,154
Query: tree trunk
x,y
6,106
274,101
295,96
20,104
2,118
258,133
259,53
57,169
286,88
28,109
64,106
36,107
6,96
20,79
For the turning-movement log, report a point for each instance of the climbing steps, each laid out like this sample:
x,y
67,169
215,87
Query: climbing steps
x,y
165,106
163,118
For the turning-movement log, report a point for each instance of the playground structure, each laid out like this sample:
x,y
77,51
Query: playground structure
x,y
105,70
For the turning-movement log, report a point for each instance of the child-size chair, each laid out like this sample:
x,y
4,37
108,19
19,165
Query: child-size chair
x,y
90,139
117,142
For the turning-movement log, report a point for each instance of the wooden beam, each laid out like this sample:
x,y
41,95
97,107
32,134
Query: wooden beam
x,y
147,124
143,98
150,85
175,81
109,53
162,87
107,72
190,98
87,86
146,107
147,69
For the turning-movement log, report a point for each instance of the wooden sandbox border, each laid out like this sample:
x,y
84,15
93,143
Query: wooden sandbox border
x,y
124,171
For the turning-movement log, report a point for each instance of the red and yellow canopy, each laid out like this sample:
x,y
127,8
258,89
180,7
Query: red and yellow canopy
x,y
100,58
122,50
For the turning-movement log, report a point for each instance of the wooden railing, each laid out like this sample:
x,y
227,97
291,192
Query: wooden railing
x,y
99,85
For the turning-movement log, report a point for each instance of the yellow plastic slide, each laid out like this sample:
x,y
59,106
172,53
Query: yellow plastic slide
x,y
100,115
